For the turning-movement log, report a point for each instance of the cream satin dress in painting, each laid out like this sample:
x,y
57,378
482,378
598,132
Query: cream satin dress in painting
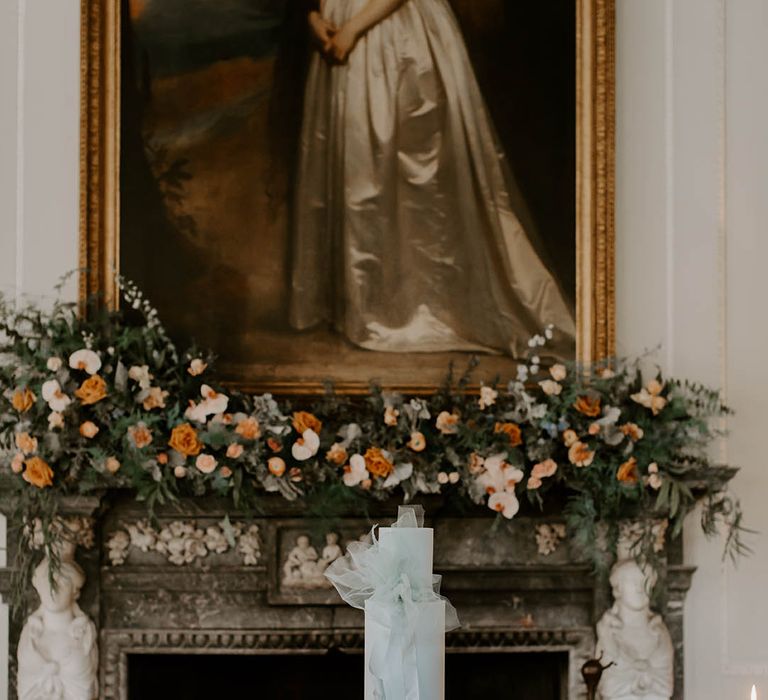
x,y
406,238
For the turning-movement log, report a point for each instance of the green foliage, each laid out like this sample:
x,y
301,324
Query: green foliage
x,y
616,445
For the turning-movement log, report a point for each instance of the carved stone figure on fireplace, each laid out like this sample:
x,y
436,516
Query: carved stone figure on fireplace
x,y
57,653
634,639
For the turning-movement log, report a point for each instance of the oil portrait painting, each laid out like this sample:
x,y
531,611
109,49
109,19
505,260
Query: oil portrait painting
x,y
352,190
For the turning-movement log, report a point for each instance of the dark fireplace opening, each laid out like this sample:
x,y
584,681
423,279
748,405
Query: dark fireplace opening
x,y
338,676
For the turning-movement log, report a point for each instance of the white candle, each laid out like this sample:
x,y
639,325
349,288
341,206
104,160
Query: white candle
x,y
753,695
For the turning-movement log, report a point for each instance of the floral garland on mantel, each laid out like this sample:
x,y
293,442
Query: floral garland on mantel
x,y
109,402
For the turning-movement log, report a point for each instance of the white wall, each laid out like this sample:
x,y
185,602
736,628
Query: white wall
x,y
692,196
692,254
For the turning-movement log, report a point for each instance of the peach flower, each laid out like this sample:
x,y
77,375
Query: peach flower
x,y
55,420
179,471
447,423
235,450
225,472
544,470
633,431
26,443
337,454
534,483
112,465
162,458
248,428
488,396
551,387
89,429
417,442
580,455
17,464
570,437
650,397
154,398
206,463
140,435
390,416
276,466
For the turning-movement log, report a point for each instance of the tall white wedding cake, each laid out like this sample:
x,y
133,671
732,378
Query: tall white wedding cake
x,y
391,579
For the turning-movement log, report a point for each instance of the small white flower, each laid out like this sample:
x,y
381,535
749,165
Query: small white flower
x,y
54,364
454,477
442,478
487,398
141,375
549,333
56,398
522,373
535,360
86,360
306,446
355,472
196,367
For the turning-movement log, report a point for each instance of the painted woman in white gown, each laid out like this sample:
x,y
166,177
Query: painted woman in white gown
x,y
406,238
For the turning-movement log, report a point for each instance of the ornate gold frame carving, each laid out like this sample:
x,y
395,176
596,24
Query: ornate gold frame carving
x,y
595,164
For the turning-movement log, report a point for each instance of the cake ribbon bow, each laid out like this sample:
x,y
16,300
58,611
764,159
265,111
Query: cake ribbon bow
x,y
385,577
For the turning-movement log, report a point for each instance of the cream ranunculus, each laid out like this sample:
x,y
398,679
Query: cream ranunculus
x,y
56,398
391,415
355,472
306,446
85,360
55,420
54,364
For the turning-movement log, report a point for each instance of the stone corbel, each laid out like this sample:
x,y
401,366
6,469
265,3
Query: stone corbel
x,y
58,652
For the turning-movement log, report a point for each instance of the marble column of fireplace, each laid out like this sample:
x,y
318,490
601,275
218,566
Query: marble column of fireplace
x,y
195,583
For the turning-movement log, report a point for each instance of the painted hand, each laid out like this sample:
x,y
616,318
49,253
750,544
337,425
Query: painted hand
x,y
322,31
342,43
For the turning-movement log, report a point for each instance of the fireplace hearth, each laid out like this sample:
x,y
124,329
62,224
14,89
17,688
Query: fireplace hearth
x,y
338,675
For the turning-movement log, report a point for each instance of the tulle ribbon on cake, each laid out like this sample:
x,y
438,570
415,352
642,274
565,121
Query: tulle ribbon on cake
x,y
390,579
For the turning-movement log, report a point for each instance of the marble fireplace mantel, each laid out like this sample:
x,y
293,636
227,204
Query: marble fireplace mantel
x,y
195,583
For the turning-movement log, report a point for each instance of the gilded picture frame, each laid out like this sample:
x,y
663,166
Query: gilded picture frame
x,y
594,182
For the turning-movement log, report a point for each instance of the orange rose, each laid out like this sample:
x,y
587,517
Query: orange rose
x,y
92,390
512,431
26,443
141,435
23,400
302,421
627,472
248,428
337,454
588,405
580,454
38,473
274,445
376,463
184,440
